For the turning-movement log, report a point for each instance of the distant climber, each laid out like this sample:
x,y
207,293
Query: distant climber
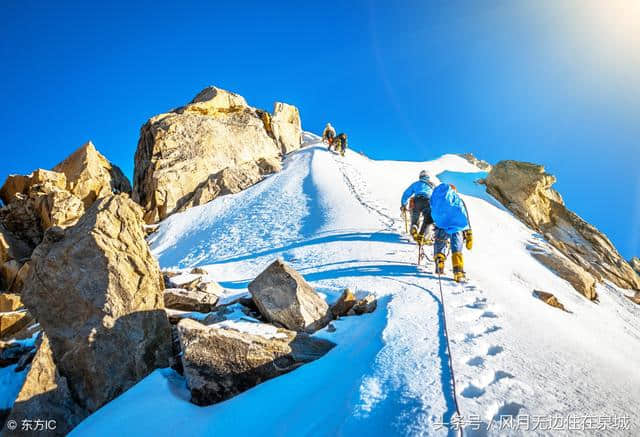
x,y
340,143
328,134
420,193
451,218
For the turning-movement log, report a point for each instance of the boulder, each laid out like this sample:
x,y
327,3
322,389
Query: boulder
x,y
96,290
284,297
212,288
10,302
368,304
286,127
345,302
189,300
45,394
223,360
549,299
526,190
12,322
571,272
178,152
231,180
89,175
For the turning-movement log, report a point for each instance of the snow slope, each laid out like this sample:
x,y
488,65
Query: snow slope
x,y
336,220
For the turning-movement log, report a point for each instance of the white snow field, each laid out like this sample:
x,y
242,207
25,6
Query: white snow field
x,y
521,367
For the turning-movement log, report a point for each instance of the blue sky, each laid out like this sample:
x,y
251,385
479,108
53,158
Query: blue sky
x,y
552,82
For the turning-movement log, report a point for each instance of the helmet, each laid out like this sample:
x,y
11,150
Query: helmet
x,y
424,175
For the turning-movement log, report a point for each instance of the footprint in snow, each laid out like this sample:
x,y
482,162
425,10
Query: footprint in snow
x,y
494,350
476,361
489,315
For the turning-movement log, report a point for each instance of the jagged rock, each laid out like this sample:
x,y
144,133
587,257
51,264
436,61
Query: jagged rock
x,y
12,322
96,290
189,300
45,394
635,264
10,302
578,277
549,299
179,151
284,297
211,288
526,190
222,361
482,165
286,127
198,271
89,175
345,302
368,304
231,180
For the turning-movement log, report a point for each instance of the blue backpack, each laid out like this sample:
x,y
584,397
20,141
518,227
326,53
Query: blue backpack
x,y
448,210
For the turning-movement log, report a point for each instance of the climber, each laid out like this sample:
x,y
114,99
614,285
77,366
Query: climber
x,y
341,143
451,219
420,192
328,134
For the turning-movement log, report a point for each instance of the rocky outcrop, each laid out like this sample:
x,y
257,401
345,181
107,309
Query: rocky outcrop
x,y
90,176
221,360
46,395
482,165
178,152
232,180
579,278
526,190
285,298
44,199
635,264
345,302
286,127
189,300
549,299
96,290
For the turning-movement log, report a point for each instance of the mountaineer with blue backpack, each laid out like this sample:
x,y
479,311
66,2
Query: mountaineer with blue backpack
x,y
419,192
451,219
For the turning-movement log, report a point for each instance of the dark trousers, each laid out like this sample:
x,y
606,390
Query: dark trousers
x,y
421,207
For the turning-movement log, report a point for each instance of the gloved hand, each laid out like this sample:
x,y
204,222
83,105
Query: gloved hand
x,y
468,237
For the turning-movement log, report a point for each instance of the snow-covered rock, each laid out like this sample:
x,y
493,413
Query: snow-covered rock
x,y
227,358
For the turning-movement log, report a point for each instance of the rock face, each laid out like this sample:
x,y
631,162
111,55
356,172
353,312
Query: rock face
x,y
482,165
232,180
526,190
45,394
286,127
189,300
635,264
582,281
96,290
12,322
284,297
178,152
89,175
220,362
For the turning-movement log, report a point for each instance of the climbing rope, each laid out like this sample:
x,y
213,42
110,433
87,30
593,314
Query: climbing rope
x,y
453,377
